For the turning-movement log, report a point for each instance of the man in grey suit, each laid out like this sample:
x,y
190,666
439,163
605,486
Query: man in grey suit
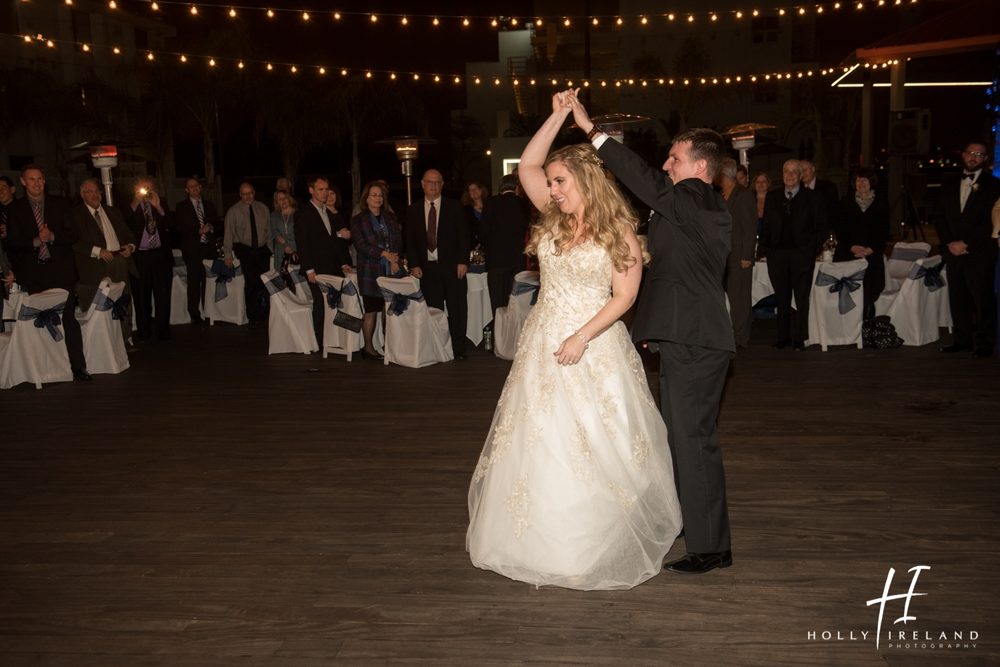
x,y
739,265
103,249
682,313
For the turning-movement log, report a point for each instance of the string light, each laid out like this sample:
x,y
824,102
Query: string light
x,y
112,5
404,21
232,12
155,6
465,23
435,22
457,79
305,16
194,10
270,13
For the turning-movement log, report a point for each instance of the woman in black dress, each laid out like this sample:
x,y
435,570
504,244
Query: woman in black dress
x,y
862,232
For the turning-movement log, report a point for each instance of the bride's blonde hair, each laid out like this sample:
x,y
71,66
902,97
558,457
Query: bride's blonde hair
x,y
606,213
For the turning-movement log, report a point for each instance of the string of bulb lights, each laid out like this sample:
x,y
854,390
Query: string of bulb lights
x,y
250,64
308,14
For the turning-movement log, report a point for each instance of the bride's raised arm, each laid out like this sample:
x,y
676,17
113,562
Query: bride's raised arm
x,y
530,170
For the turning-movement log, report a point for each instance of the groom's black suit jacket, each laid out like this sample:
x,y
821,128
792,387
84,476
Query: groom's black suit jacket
x,y
682,300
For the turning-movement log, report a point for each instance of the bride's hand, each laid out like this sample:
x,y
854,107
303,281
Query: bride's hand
x,y
580,115
561,101
571,350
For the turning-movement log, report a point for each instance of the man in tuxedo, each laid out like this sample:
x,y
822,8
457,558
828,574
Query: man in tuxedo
x,y
154,262
247,238
502,231
739,265
40,238
195,221
322,247
103,248
682,314
963,220
794,225
6,199
437,253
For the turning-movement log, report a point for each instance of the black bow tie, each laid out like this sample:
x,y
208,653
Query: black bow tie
x,y
971,177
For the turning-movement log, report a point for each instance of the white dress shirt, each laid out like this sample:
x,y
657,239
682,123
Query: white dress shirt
x,y
111,242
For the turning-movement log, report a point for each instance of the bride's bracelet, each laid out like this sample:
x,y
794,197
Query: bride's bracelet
x,y
586,341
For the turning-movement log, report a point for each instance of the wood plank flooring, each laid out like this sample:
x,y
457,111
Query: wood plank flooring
x,y
216,506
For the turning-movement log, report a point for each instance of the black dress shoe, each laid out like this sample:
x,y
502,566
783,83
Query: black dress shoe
x,y
799,346
951,349
783,343
82,376
983,354
459,357
374,356
699,563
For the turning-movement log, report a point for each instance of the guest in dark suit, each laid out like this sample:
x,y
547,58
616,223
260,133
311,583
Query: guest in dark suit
x,y
437,250
506,218
103,249
862,227
794,225
827,190
962,218
196,221
153,260
739,264
378,243
682,313
6,199
40,238
322,245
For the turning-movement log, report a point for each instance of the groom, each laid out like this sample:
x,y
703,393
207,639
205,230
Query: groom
x,y
682,312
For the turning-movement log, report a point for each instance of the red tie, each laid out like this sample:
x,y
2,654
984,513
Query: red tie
x,y
432,229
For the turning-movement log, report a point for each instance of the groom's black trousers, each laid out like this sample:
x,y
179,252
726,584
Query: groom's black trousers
x,y
691,383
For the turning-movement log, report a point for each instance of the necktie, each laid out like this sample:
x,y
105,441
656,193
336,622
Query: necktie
x,y
154,237
432,229
254,242
200,212
43,249
966,191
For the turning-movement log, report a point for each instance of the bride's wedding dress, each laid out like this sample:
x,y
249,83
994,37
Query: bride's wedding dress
x,y
574,486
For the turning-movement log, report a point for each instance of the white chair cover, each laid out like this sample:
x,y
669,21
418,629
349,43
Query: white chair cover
x,y
900,263
916,311
178,292
415,335
289,323
479,310
835,317
509,320
345,294
36,354
103,342
224,301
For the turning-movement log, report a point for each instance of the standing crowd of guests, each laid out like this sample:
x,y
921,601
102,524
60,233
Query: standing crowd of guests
x,y
46,242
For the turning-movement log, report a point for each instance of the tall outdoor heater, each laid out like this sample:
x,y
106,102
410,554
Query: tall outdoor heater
x,y
614,123
744,137
407,150
104,156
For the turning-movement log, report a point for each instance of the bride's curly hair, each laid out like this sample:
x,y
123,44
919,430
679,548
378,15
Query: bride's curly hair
x,y
606,212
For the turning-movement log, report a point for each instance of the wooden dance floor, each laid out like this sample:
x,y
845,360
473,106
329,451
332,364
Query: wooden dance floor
x,y
216,506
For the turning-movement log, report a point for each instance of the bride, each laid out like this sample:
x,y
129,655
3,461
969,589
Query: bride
x,y
574,486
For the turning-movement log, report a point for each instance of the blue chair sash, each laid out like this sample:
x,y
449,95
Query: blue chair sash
x,y
49,318
931,275
293,277
333,295
118,308
223,275
398,303
275,285
844,286
524,288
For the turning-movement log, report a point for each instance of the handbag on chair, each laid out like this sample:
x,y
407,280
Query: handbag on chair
x,y
348,321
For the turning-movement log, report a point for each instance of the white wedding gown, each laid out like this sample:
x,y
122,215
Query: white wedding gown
x,y
575,485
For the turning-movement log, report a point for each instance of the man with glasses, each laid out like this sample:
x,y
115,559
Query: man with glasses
x,y
794,224
962,218
437,252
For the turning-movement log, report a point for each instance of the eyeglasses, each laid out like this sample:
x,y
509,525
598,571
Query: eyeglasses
x,y
974,153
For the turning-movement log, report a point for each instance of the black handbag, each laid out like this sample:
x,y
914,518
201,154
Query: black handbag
x,y
348,321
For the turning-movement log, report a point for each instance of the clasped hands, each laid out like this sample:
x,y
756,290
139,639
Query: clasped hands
x,y
571,350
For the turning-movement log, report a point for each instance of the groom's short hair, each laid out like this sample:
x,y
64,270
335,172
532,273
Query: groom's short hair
x,y
707,145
